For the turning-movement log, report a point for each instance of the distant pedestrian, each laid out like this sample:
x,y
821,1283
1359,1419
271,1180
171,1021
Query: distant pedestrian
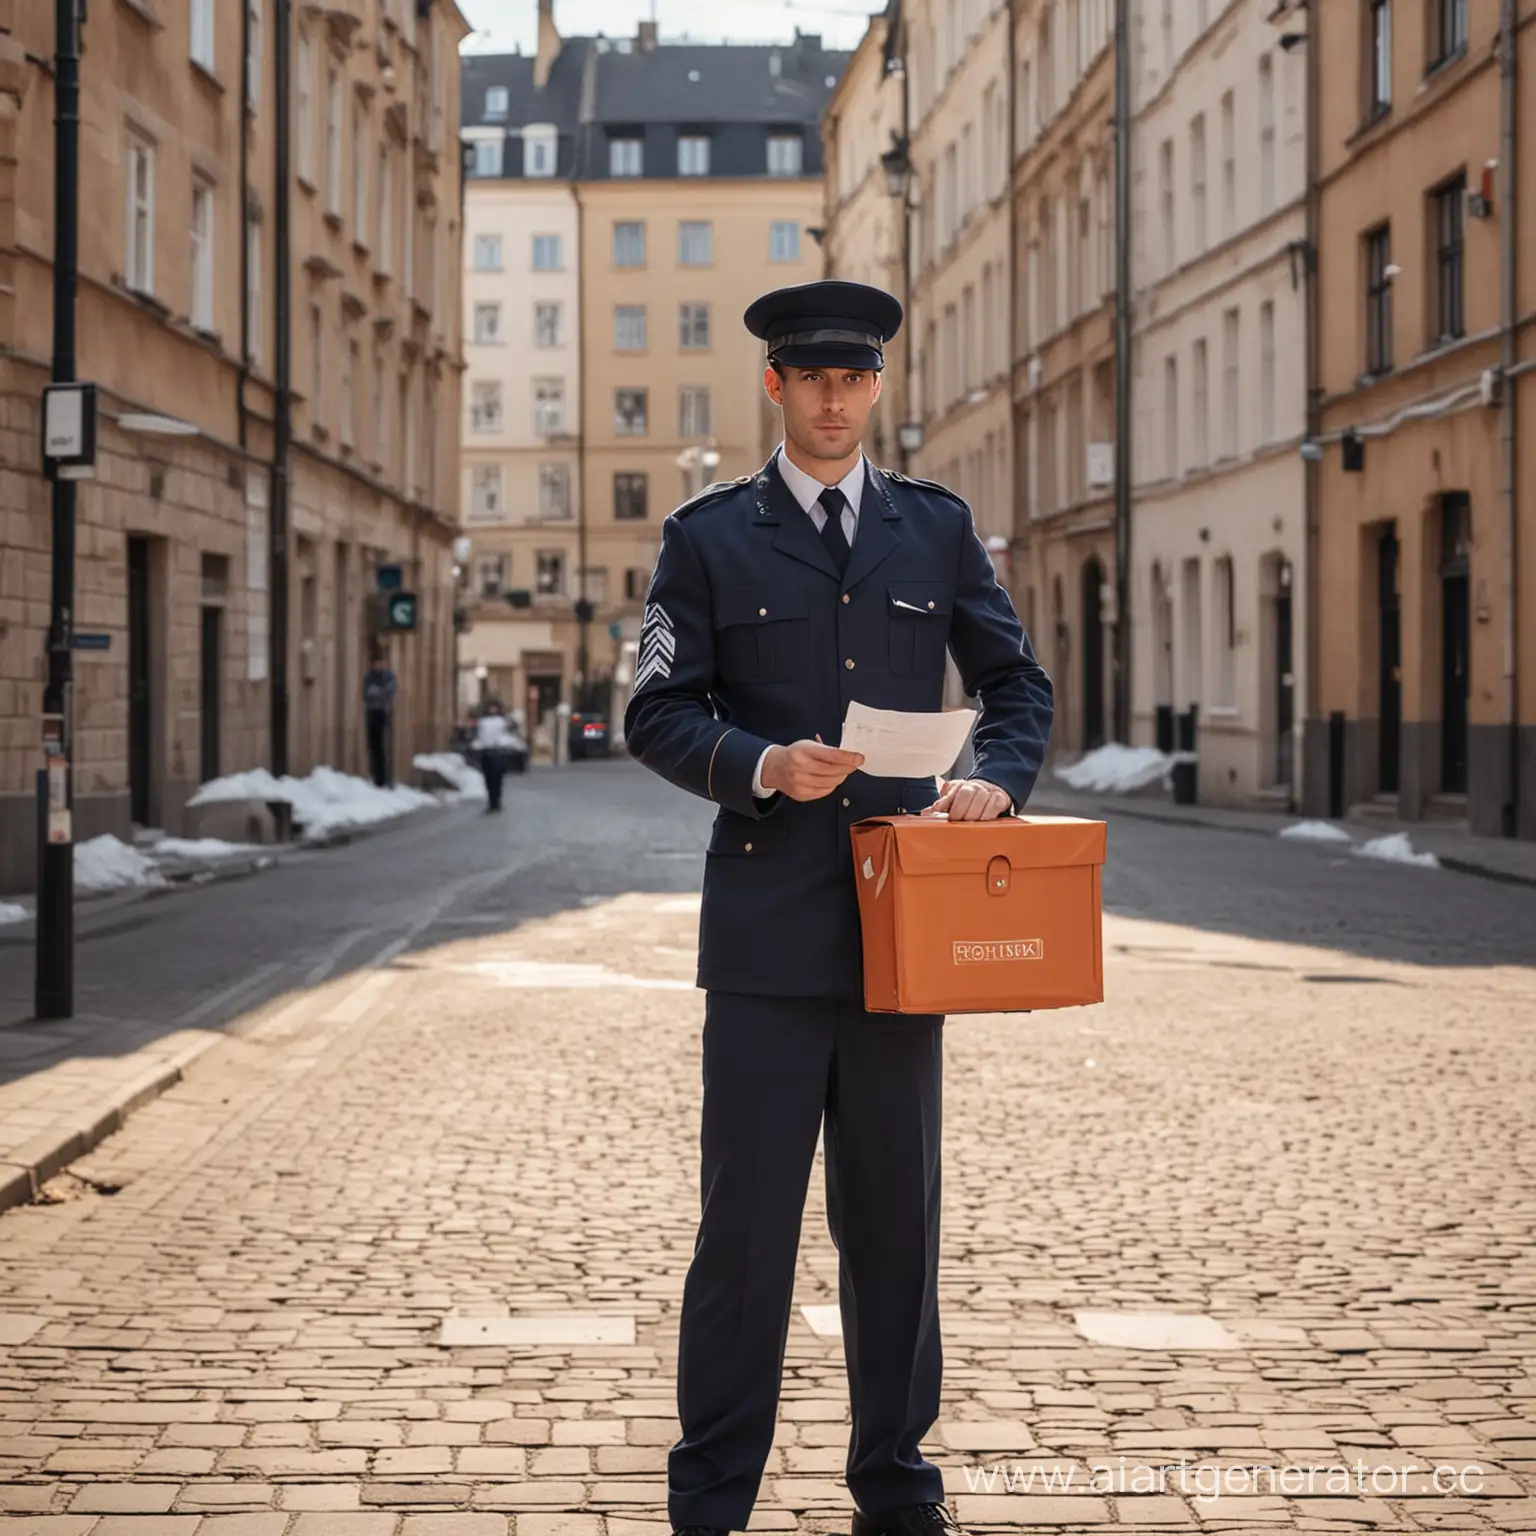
x,y
379,688
493,739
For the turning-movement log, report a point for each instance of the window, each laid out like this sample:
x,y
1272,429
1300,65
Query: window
x,y
694,243
1378,58
201,312
1171,418
488,325
692,155
384,240
139,273
1168,42
1228,164
1231,339
785,153
546,325
253,56
253,288
485,405
316,369
1449,18
487,253
488,157
202,33
549,577
629,492
1226,634
1198,228
496,101
1450,205
626,157
1165,200
554,492
1378,300
693,411
637,582
629,412
360,158
1267,371
784,240
546,253
548,406
1266,135
629,328
306,109
349,395
594,583
693,326
540,147
491,575
333,143
379,407
629,245
1202,405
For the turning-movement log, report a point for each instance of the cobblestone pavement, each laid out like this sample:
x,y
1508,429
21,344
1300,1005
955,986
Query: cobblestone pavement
x,y
1302,1120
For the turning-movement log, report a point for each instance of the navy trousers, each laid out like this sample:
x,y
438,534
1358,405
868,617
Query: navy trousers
x,y
775,1069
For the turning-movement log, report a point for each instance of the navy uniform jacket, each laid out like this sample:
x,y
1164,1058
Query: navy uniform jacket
x,y
751,638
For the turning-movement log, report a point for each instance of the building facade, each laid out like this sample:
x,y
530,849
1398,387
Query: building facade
x,y
1062,372
178,328
1219,384
1426,694
694,185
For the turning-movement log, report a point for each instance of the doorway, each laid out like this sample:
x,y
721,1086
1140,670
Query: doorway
x,y
1389,648
1455,638
1284,681
1093,654
140,698
211,670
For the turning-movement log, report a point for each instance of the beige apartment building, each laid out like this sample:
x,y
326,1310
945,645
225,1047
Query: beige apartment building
x,y
1062,373
1426,693
681,182
1219,365
177,327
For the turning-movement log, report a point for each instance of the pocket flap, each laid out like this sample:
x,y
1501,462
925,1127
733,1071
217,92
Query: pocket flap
x,y
743,835
919,598
757,605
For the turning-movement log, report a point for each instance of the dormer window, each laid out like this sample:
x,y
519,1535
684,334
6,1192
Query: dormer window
x,y
539,149
625,156
496,101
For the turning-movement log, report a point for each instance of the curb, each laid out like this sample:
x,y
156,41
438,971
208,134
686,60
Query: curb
x,y
24,1172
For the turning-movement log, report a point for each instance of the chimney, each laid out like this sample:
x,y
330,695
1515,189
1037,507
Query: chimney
x,y
645,38
549,45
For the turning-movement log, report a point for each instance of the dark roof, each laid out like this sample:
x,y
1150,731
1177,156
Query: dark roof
x,y
559,102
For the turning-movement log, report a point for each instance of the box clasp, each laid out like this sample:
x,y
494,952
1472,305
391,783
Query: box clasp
x,y
999,876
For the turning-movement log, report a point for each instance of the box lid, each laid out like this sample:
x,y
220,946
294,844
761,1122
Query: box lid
x,y
932,845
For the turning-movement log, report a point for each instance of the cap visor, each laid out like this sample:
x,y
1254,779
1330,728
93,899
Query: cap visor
x,y
831,355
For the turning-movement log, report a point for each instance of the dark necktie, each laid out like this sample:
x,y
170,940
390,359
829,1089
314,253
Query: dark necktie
x,y
832,500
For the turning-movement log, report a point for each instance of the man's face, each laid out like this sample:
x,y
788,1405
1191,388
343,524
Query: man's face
x,y
825,409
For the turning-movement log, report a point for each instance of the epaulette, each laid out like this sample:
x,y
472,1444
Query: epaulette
x,y
712,493
902,478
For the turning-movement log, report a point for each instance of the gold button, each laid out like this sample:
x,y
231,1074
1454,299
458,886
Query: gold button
x,y
749,847
849,663
762,613
930,605
847,801
846,598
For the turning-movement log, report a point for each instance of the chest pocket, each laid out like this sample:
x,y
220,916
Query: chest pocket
x,y
762,636
917,620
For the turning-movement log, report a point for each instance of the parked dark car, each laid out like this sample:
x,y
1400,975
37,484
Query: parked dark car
x,y
588,736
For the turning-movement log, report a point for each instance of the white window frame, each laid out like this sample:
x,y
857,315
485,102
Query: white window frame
x,y
305,76
201,33
349,359
637,225
786,154
333,132
361,154
558,264
554,493
548,335
139,263
624,426
488,246
486,500
693,154
548,406
784,240
695,410
253,56
253,289
485,406
487,323
316,366
629,328
384,241
489,158
498,100
692,316
200,308
683,228
380,405
626,157
541,150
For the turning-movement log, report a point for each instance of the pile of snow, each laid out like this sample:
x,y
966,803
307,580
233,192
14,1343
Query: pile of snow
x,y
11,913
105,864
323,803
1315,832
210,849
1396,848
468,782
1114,769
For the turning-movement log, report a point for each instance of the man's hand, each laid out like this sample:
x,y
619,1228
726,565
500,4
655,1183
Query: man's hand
x,y
808,770
970,800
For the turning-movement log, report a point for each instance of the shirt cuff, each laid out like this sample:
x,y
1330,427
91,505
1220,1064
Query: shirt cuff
x,y
757,777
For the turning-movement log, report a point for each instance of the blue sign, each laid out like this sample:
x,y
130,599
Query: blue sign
x,y
81,642
391,578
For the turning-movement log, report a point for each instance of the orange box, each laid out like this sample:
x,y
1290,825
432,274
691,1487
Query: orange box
x,y
980,916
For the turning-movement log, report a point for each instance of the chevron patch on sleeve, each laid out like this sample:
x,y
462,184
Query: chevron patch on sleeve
x,y
658,646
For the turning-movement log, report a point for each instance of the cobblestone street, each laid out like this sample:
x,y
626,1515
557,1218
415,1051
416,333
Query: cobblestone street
x,y
464,1091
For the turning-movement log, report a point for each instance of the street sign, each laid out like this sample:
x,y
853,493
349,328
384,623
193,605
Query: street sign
x,y
69,431
615,631
391,578
584,610
90,642
400,611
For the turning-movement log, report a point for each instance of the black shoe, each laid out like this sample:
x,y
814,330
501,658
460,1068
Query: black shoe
x,y
698,1530
908,1520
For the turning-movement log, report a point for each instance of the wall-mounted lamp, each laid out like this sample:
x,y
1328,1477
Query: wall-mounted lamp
x,y
910,435
897,165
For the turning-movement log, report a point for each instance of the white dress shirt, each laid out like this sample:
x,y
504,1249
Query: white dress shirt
x,y
806,489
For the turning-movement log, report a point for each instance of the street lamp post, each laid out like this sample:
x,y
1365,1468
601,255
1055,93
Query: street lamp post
x,y
896,162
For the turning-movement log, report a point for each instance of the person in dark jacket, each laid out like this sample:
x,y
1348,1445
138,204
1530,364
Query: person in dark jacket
x,y
379,688
777,600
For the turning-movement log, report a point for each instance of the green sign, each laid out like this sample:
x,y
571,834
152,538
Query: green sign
x,y
400,610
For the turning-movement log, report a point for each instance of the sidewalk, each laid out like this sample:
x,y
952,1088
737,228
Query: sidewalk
x,y
1491,858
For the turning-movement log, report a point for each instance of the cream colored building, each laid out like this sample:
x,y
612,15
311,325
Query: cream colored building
x,y
176,318
692,185
1062,354
1219,527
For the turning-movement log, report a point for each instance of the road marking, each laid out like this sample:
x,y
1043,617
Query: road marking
x,y
359,1000
237,989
